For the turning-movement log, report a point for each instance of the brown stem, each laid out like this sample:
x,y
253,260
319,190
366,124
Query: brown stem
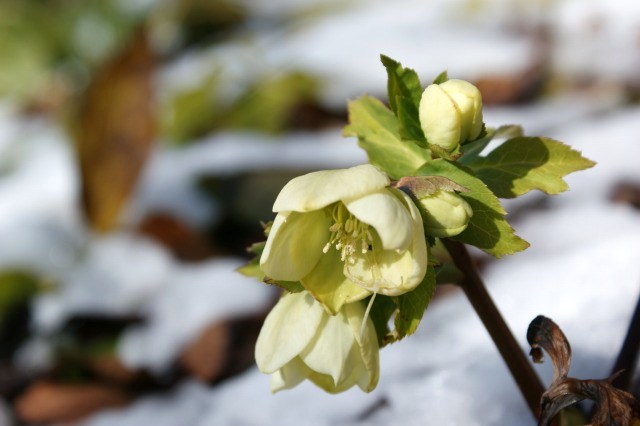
x,y
627,358
518,363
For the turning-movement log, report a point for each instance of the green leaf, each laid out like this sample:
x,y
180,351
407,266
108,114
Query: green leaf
x,y
401,82
488,229
380,314
290,286
252,267
404,91
441,78
409,121
525,163
378,134
411,305
16,288
471,151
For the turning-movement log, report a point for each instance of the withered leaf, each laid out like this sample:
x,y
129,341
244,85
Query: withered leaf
x,y
613,407
422,186
115,132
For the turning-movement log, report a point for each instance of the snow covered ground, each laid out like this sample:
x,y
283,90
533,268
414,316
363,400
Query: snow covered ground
x,y
581,270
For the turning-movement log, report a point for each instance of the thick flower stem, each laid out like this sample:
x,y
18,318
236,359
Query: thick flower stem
x,y
518,363
627,358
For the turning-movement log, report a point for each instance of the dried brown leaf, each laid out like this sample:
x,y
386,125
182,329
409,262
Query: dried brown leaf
x,y
115,132
613,407
422,186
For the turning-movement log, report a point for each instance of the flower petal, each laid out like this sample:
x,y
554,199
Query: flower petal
x,y
328,352
290,375
439,117
387,215
468,100
316,190
368,353
287,330
295,244
327,283
389,272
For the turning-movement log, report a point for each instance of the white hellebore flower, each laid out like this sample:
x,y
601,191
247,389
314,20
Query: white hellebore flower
x,y
445,214
299,340
344,234
451,113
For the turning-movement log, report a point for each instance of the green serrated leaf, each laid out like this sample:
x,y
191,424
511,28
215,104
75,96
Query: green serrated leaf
x,y
378,134
411,305
488,229
409,121
380,314
404,91
290,286
441,78
401,82
471,150
522,164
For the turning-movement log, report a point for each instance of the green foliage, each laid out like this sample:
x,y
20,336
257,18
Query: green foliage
x,y
16,288
441,78
488,229
189,113
381,312
408,309
471,150
266,105
404,91
378,134
525,163
411,305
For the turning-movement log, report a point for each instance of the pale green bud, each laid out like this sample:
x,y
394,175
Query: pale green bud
x,y
451,113
445,214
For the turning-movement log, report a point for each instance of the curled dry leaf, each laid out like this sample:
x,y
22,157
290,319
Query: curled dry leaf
x,y
115,132
422,186
613,407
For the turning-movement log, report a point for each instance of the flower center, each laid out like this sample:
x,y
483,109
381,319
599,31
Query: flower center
x,y
347,234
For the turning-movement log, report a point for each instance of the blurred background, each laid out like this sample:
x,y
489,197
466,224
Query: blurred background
x,y
142,142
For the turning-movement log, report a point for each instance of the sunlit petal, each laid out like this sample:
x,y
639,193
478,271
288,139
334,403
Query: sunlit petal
x,y
316,190
294,245
387,215
287,330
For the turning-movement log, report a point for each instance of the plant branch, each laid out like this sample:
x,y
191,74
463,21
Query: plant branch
x,y
513,355
627,358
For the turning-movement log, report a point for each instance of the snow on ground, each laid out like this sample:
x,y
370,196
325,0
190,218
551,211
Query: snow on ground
x,y
581,271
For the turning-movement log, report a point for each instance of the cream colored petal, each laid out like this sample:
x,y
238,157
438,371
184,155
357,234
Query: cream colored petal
x,y
290,375
469,102
439,117
389,272
295,244
368,360
287,330
327,283
316,190
387,215
328,352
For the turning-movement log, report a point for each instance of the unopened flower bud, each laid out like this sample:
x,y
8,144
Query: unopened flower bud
x,y
451,113
445,214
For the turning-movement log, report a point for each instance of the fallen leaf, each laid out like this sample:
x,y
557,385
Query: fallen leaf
x,y
115,132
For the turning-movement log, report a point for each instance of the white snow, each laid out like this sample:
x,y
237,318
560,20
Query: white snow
x,y
195,297
581,270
